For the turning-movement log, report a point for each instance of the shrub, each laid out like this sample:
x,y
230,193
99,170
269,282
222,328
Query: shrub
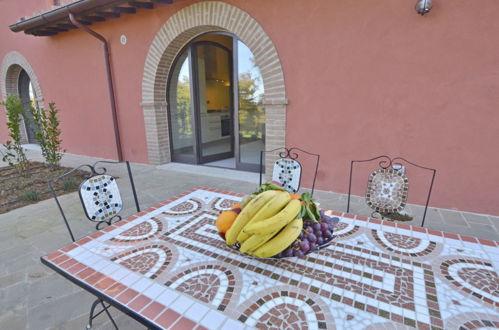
x,y
15,154
48,134
69,185
31,196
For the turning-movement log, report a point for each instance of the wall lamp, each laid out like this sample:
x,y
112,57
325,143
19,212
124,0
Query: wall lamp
x,y
423,6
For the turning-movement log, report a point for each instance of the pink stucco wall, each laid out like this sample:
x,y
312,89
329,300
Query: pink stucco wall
x,y
363,78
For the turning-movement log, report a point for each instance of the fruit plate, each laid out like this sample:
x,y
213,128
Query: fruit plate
x,y
296,246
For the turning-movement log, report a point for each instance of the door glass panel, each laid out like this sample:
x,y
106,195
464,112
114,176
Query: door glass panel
x,y
26,95
180,109
214,90
251,111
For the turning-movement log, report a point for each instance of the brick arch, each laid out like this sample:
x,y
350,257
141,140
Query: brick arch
x,y
182,27
12,65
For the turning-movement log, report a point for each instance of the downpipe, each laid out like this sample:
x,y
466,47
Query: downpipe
x,y
112,97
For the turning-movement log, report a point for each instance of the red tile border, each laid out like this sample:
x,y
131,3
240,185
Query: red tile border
x,y
183,324
105,283
115,290
139,302
96,277
69,247
167,318
153,310
126,296
85,273
487,242
468,239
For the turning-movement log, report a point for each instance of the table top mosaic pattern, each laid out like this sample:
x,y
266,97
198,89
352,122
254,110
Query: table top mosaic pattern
x,y
168,265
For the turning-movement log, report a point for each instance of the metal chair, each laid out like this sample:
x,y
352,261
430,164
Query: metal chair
x,y
388,186
101,201
286,169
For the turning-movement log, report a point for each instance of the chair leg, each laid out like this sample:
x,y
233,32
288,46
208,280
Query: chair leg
x,y
104,309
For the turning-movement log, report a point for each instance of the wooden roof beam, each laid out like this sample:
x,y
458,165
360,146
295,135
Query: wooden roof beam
x,y
142,5
91,18
126,10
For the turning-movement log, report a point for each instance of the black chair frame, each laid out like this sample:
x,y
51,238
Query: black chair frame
x,y
94,170
291,154
385,163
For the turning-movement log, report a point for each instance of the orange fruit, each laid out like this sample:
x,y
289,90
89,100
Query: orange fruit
x,y
225,220
295,196
235,206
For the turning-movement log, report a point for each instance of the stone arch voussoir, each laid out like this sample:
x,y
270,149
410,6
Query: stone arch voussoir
x,y
182,27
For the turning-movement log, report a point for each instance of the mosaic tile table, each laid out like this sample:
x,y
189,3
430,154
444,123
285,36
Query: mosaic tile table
x,y
167,267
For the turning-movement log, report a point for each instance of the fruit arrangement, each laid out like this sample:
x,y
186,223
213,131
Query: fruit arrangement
x,y
274,223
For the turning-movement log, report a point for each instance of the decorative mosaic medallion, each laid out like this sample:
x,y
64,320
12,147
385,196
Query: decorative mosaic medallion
x,y
387,190
222,204
100,197
402,244
187,207
140,232
476,278
147,260
288,173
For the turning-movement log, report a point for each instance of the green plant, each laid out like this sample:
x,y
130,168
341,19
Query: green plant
x,y
15,154
69,185
31,195
48,134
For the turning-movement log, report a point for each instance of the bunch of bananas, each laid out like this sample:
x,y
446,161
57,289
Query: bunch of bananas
x,y
267,224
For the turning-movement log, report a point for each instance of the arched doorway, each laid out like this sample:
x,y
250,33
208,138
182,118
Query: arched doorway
x,y
18,78
215,104
182,28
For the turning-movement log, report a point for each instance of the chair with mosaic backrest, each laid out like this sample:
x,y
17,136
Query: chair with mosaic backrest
x,y
388,188
101,200
287,170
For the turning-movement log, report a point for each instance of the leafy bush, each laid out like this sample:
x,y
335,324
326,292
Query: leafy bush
x,y
15,154
69,185
48,134
31,195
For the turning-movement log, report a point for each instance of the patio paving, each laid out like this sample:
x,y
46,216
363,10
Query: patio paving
x,y
34,297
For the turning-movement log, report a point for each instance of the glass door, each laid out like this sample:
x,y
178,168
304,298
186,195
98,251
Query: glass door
x,y
214,105
181,112
26,94
250,137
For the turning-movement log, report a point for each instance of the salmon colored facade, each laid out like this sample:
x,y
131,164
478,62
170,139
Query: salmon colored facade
x,y
361,79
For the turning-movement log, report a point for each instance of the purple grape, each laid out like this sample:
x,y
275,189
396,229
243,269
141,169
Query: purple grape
x,y
295,244
304,246
313,246
316,226
299,254
324,226
311,238
327,234
320,240
288,252
321,212
309,229
318,233
279,255
302,236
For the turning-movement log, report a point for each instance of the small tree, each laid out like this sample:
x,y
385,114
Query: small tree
x,y
48,134
15,154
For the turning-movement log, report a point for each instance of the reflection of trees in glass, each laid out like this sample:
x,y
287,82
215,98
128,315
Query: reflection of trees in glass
x,y
251,112
183,112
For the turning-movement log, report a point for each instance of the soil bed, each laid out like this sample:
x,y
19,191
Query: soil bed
x,y
17,191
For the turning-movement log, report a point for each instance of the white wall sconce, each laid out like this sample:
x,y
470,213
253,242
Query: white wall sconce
x,y
423,6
